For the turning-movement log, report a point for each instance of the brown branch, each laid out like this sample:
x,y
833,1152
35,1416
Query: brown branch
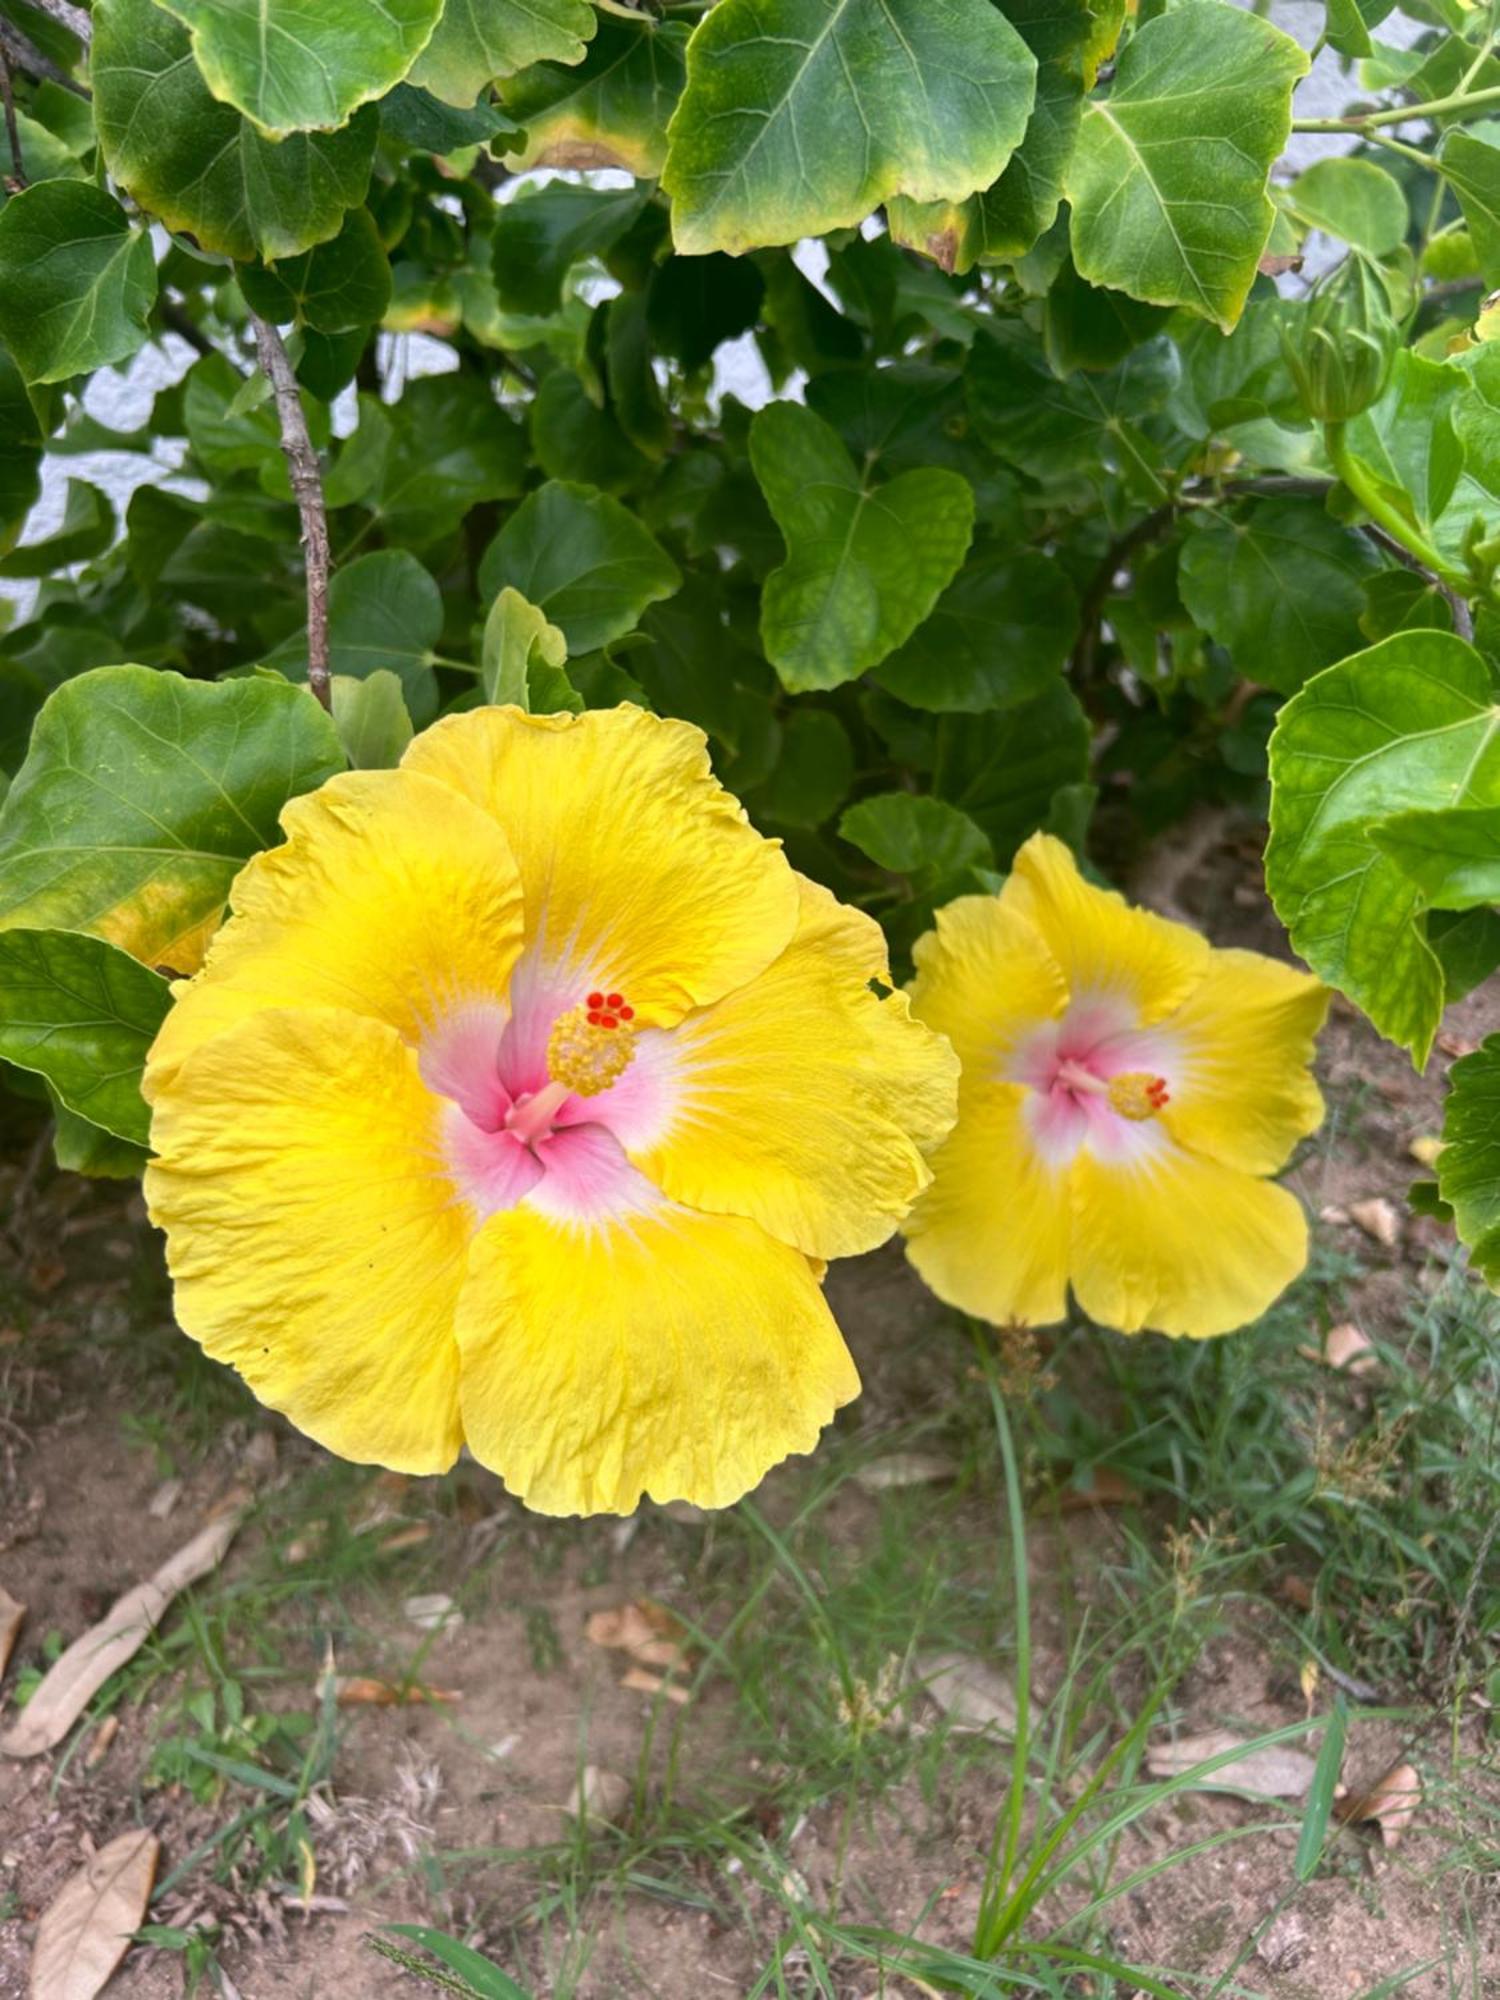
x,y
31,62
1091,611
16,180
74,19
307,486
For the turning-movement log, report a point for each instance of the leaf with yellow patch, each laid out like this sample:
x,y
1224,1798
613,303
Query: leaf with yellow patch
x,y
610,110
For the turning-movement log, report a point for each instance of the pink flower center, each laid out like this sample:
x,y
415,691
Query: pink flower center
x,y
1096,1080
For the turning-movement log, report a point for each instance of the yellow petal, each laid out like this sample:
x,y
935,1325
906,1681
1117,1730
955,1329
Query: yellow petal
x,y
640,872
1180,1244
1106,949
313,1242
803,1101
391,897
660,1352
1243,1092
991,1235
985,979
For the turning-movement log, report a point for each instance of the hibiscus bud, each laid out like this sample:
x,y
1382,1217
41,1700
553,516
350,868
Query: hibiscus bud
x,y
1347,342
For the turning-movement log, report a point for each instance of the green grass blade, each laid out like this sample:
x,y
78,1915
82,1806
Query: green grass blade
x,y
482,1973
1320,1793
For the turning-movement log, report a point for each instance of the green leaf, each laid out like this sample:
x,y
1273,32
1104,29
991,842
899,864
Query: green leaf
x,y
543,232
371,718
1452,854
225,435
81,1147
920,837
1432,445
334,287
812,774
572,437
864,565
523,659
697,303
1321,1794
1047,427
295,66
82,1014
802,116
1467,944
998,635
1410,724
88,528
197,165
1354,200
1168,179
611,109
1472,168
479,40
384,613
1281,586
427,125
20,451
444,447
1004,221
1468,1167
143,796
635,393
76,281
482,1974
582,560
43,157
1005,769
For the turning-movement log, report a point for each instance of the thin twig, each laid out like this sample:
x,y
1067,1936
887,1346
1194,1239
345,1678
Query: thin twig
x,y
307,485
29,59
16,180
1091,611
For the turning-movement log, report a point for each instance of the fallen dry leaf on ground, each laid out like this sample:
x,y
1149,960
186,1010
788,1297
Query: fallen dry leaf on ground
x,y
1107,1488
904,1468
646,1630
971,1693
432,1611
1279,1772
642,1681
357,1691
599,1794
85,1931
12,1616
1425,1148
73,1681
1378,1219
1346,1348
1392,1802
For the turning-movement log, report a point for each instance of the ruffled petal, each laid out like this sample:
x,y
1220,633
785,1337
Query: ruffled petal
x,y
986,980
1107,950
991,1235
640,872
804,1101
1242,1089
1180,1244
314,1242
660,1353
392,898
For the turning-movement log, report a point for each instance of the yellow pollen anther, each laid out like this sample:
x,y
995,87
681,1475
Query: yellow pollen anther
x,y
588,1057
1137,1095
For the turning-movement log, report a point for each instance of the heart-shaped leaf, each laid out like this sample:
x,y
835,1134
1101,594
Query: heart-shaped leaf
x,y
76,281
865,564
86,1930
81,1013
479,40
582,560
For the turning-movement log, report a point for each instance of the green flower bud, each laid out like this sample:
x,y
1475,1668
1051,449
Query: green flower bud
x,y
1347,341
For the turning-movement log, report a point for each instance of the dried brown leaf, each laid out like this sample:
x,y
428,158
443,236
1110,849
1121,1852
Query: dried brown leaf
x,y
1107,1488
357,1691
904,1468
432,1611
598,1795
1274,263
1346,1349
646,1630
645,1682
85,1931
99,1742
1392,1802
1278,1772
12,1617
971,1693
1378,1219
73,1681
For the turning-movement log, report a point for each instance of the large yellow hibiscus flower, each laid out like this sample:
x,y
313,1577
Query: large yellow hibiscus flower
x,y
1125,1090
517,1103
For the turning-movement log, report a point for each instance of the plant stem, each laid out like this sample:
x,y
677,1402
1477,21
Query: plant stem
x,y
17,176
31,62
307,485
74,19
1380,510
1401,114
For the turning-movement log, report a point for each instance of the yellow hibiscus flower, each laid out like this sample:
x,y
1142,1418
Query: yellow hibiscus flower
x,y
517,1103
1125,1090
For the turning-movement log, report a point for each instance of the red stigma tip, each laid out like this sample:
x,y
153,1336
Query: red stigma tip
x,y
614,999
595,1017
627,1013
596,999
608,1021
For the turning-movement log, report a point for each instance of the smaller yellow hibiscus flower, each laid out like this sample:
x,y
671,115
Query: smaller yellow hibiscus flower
x,y
518,1104
1125,1091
